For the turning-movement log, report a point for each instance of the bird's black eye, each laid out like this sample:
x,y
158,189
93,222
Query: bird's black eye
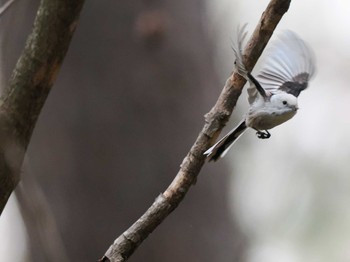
x,y
284,102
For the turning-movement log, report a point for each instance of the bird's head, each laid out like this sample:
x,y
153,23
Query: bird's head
x,y
284,101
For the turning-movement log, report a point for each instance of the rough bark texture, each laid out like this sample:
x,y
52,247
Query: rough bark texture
x,y
127,243
30,83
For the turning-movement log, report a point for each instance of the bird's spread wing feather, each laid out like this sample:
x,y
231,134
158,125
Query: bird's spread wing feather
x,y
237,47
288,67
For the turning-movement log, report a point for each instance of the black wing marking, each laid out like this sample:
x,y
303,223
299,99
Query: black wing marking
x,y
299,84
288,67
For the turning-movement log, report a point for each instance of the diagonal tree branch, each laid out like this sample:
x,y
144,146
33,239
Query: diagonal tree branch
x,y
40,222
30,84
6,6
124,246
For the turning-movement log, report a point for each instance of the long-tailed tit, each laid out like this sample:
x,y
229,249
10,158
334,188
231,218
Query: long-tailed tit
x,y
272,95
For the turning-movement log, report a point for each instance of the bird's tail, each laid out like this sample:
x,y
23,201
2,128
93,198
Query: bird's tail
x,y
224,144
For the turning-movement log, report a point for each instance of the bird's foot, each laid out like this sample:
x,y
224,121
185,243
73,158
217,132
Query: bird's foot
x,y
263,135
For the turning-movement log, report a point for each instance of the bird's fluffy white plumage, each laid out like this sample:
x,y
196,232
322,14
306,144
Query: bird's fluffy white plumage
x,y
289,65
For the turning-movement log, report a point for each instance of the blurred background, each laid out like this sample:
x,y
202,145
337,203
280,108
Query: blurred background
x,y
128,104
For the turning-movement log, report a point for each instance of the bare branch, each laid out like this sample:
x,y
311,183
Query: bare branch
x,y
124,246
5,6
30,83
40,222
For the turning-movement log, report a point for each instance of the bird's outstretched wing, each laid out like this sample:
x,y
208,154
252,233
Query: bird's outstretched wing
x,y
288,66
237,47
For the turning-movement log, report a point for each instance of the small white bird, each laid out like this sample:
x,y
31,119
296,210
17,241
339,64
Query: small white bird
x,y
272,95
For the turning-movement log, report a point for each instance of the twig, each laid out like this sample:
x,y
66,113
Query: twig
x,y
40,222
5,6
30,83
124,246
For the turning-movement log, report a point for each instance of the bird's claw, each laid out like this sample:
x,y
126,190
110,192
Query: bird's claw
x,y
263,135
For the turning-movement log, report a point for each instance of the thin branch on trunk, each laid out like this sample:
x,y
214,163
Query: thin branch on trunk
x,y
5,6
125,245
30,84
40,222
